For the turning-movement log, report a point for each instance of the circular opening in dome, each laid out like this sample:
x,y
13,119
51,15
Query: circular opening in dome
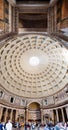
x,y
34,61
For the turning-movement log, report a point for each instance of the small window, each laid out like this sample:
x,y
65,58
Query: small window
x,y
45,102
23,102
12,99
1,93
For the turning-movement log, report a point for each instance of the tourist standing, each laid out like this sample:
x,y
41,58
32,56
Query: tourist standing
x,y
9,125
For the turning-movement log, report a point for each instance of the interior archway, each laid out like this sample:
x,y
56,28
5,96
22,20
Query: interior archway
x,y
34,113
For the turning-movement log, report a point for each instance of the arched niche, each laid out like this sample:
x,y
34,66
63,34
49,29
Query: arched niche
x,y
34,113
34,106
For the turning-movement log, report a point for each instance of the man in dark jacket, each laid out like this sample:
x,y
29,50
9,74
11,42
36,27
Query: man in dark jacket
x,y
2,126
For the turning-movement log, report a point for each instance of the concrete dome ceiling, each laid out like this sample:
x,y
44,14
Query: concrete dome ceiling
x,y
47,77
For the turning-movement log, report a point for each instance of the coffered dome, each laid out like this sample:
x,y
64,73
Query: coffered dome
x,y
33,66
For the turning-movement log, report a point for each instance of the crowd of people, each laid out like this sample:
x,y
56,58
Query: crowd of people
x,y
32,126
6,126
58,126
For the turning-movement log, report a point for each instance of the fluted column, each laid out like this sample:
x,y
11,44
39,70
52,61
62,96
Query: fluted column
x,y
11,115
55,16
52,115
57,115
49,20
10,18
16,19
26,115
16,115
66,111
1,112
13,19
41,115
62,114
52,19
6,115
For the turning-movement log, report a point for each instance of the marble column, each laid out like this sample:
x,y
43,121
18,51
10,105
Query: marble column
x,y
10,18
16,117
11,115
52,19
52,115
6,115
57,115
41,116
55,16
1,112
49,20
16,19
26,115
62,115
13,19
66,111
